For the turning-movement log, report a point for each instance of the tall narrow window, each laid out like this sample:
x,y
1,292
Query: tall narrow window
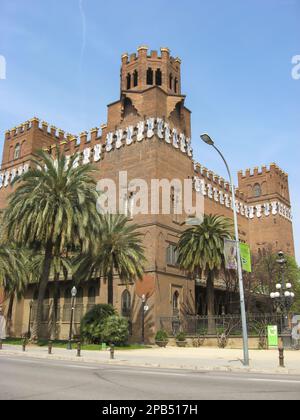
x,y
126,304
91,298
150,77
176,85
17,151
128,81
172,255
257,190
176,303
171,82
158,77
135,78
46,306
79,306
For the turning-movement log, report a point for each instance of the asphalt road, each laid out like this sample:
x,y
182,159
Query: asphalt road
x,y
34,379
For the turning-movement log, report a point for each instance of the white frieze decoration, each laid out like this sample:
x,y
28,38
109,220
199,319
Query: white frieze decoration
x,y
143,131
268,209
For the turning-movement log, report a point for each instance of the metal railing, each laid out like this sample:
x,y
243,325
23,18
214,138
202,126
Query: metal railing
x,y
196,326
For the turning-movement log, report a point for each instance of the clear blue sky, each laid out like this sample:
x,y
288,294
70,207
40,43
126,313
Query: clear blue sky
x,y
63,61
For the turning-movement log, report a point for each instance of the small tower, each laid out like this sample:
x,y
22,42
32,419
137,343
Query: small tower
x,y
142,71
267,194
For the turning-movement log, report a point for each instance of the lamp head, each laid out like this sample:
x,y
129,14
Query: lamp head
x,y
74,292
207,139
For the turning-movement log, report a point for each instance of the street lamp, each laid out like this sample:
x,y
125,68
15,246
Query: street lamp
x,y
73,295
143,318
208,140
29,321
283,299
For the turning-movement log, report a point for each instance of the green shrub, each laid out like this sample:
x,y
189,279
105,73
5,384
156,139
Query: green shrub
x,y
181,337
93,322
161,336
115,330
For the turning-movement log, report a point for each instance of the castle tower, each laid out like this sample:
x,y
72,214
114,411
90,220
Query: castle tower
x,y
150,88
142,71
267,193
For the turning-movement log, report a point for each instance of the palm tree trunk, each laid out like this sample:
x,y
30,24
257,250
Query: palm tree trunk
x,y
110,287
55,305
210,291
10,312
36,331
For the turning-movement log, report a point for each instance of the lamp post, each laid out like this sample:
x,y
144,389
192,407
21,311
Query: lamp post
x,y
73,295
143,318
283,299
208,140
29,321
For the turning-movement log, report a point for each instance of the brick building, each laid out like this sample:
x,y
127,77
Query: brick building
x,y
148,134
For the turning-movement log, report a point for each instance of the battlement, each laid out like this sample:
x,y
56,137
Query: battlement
x,y
216,181
257,171
143,52
34,124
150,68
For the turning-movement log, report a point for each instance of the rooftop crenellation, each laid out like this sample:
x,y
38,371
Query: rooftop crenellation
x,y
263,170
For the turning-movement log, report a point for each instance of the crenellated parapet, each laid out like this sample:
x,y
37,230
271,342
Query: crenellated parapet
x,y
215,188
272,169
145,69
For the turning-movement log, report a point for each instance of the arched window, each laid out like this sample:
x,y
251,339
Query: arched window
x,y
79,296
176,303
150,77
126,304
36,294
67,296
79,306
128,81
135,78
56,300
92,296
17,152
257,190
171,81
158,77
176,85
46,306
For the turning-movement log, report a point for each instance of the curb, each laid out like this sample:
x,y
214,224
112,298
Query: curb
x,y
277,371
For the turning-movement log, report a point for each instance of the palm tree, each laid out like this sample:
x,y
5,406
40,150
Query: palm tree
x,y
13,274
119,250
53,208
201,250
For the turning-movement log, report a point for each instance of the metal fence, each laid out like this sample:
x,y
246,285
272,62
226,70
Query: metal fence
x,y
197,326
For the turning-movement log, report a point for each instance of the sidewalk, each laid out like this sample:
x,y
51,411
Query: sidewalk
x,y
200,359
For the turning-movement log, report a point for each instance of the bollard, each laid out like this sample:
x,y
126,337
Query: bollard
x,y
50,345
79,349
112,352
281,357
24,345
0,344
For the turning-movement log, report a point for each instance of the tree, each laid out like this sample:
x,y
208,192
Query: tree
x,y
201,250
119,250
13,274
267,273
52,208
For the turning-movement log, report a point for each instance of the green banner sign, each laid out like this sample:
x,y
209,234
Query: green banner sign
x,y
273,336
246,258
